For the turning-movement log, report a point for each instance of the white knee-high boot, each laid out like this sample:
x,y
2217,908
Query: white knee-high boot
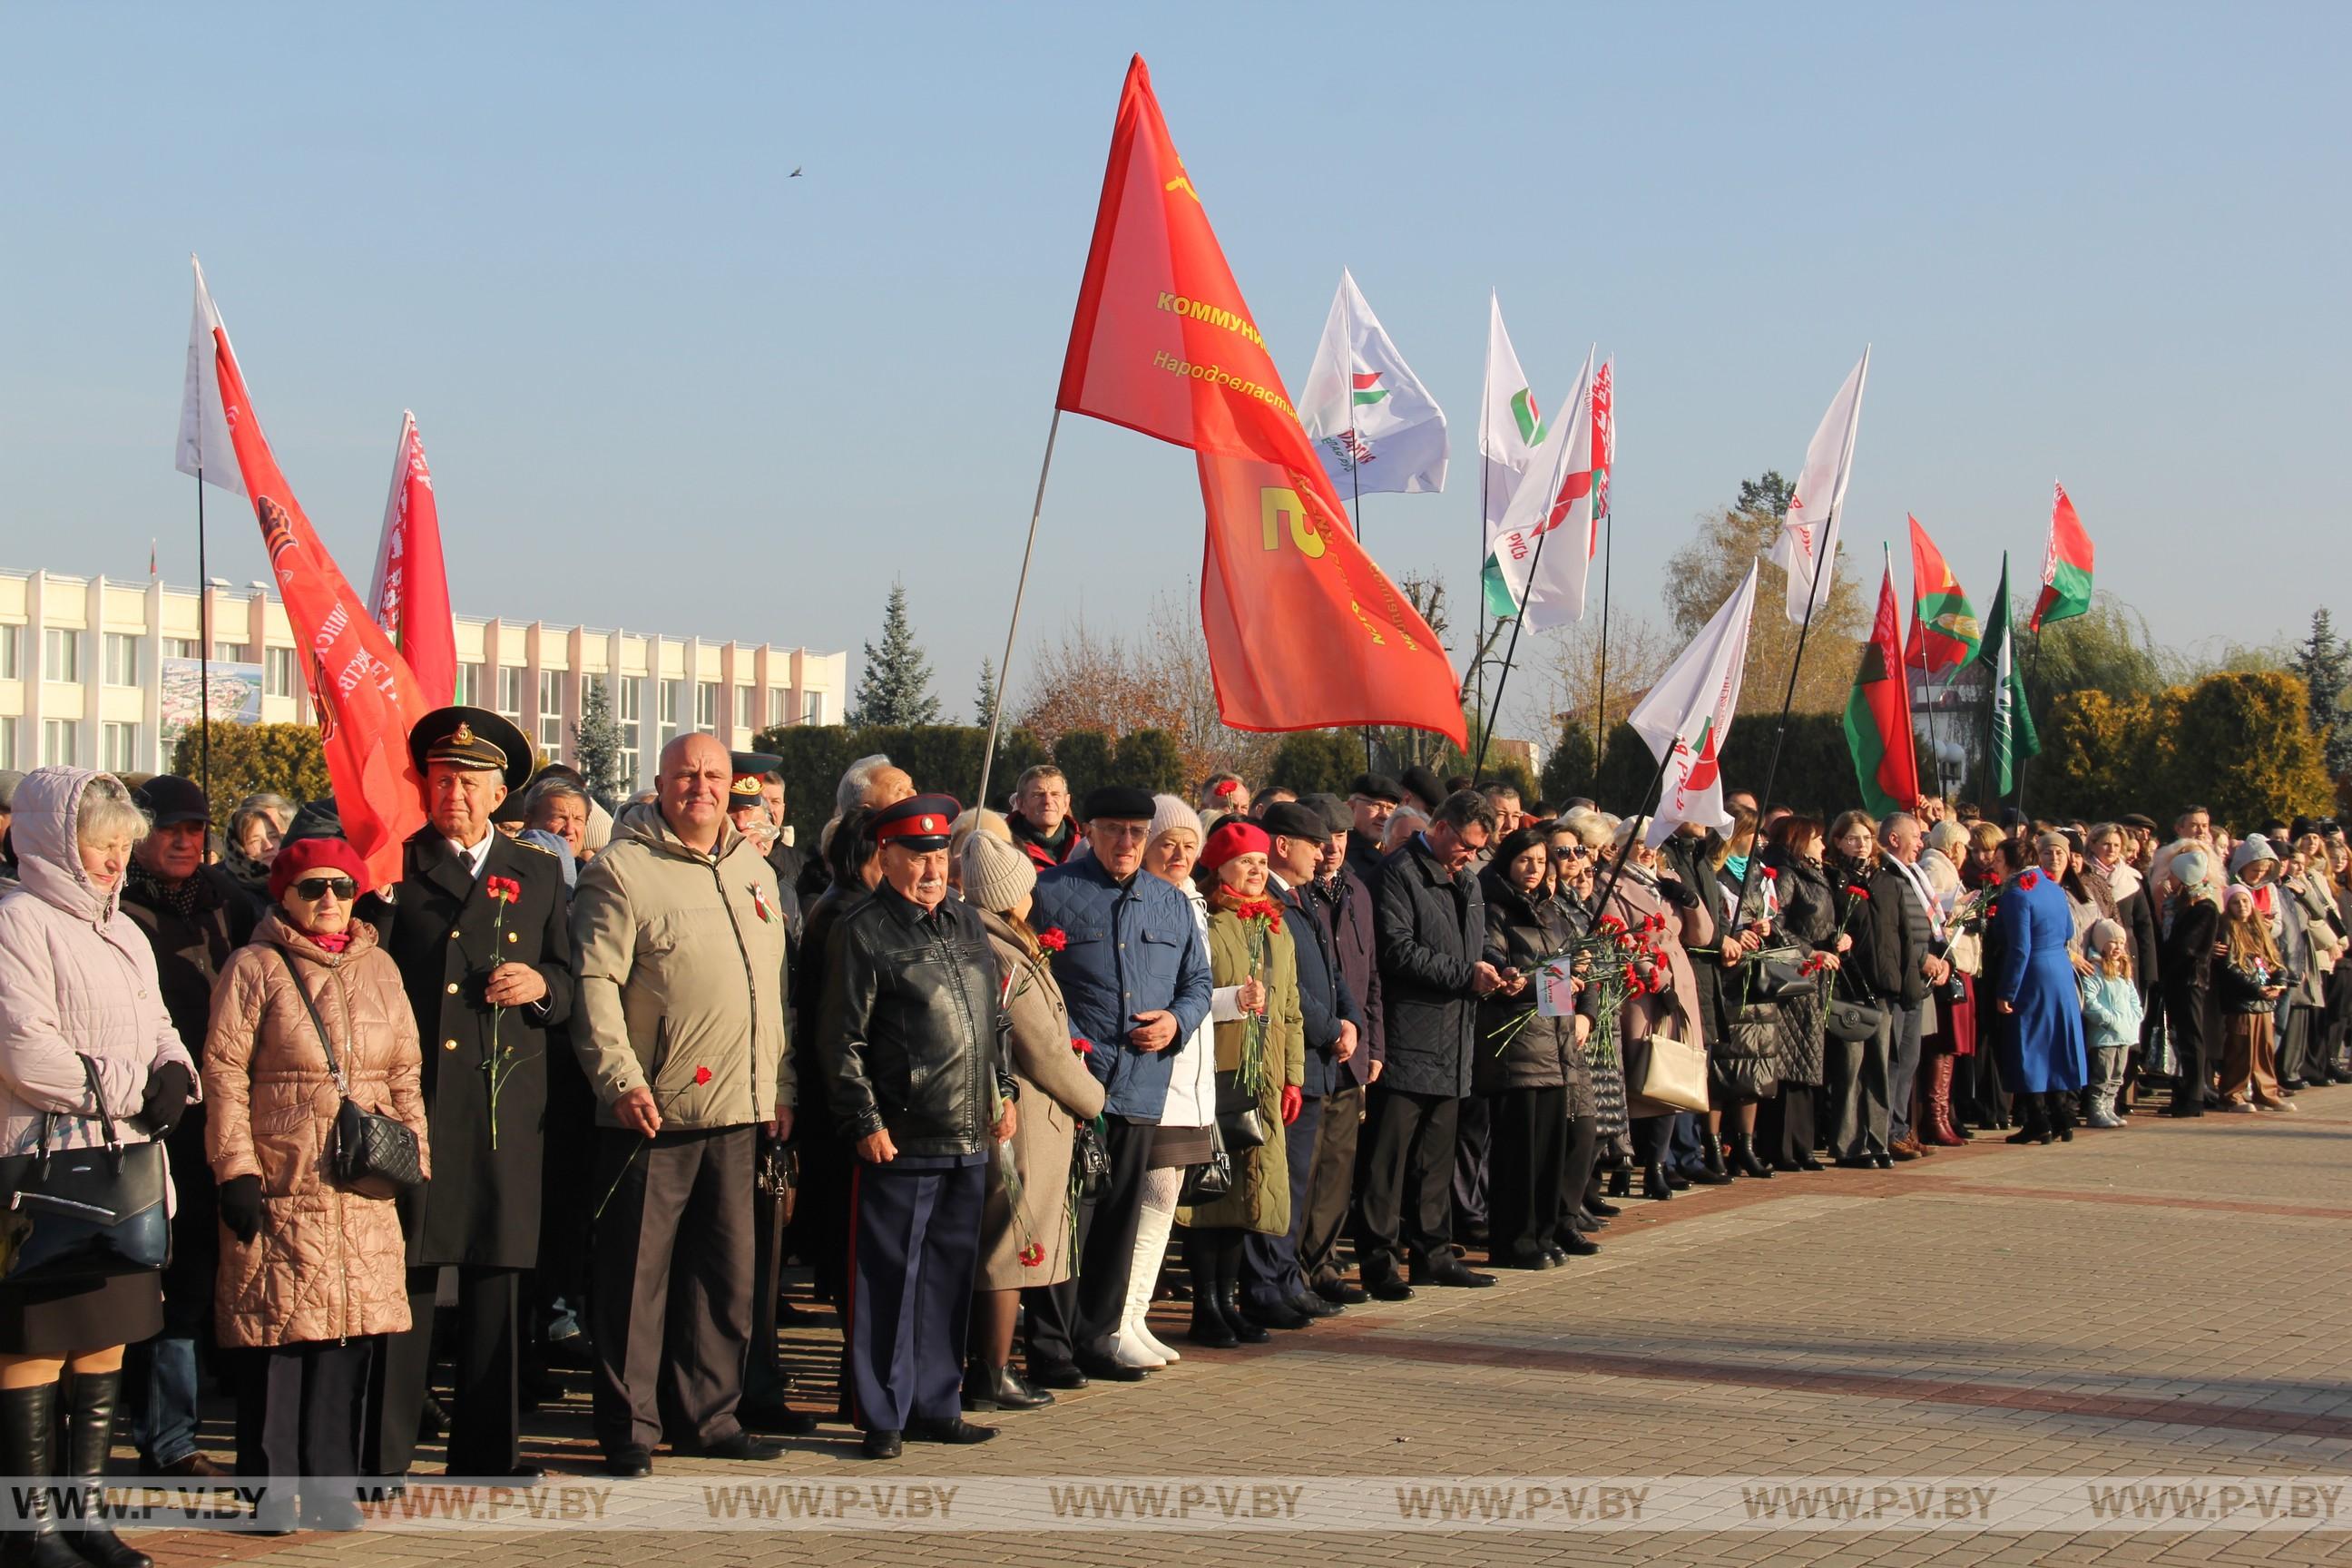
x,y
1142,1273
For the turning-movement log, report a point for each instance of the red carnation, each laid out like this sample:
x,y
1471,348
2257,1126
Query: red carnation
x,y
701,1075
1860,893
1053,939
1770,874
1226,787
1032,1255
2030,879
1611,922
1081,1045
506,890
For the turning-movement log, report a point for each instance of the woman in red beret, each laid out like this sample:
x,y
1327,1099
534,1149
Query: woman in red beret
x,y
1261,1072
311,1270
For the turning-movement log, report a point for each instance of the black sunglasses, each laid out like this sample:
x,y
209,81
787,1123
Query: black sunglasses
x,y
311,890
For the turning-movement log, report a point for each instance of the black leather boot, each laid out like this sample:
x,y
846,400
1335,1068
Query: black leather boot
x,y
27,1439
987,1387
1209,1328
1743,1156
90,1437
1655,1184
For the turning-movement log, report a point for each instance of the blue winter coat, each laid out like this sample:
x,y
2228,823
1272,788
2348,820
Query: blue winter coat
x,y
1130,949
2040,1044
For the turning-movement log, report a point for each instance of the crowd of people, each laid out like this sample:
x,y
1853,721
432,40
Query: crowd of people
x,y
574,1089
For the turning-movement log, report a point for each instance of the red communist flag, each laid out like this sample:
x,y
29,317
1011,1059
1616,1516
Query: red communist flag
x,y
410,596
1163,343
366,699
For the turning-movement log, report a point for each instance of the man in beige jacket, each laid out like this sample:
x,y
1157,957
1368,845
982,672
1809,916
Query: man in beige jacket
x,y
678,943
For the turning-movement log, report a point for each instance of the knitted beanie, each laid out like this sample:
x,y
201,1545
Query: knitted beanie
x,y
996,874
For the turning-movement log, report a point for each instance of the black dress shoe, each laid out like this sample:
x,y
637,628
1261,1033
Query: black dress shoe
x,y
1388,1288
1454,1275
1056,1375
1282,1316
1677,1181
947,1429
742,1446
1707,1178
1339,1293
1593,1206
1102,1369
630,1464
1557,1254
1862,1163
1577,1246
1315,1306
989,1387
1885,1161
882,1444
1228,1307
1533,1257
1584,1222
777,1417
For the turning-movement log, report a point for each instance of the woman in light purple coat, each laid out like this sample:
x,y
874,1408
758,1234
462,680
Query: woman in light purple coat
x,y
77,981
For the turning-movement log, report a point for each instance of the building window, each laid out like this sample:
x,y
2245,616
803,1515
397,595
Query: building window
x,y
779,706
550,712
120,748
278,672
179,647
747,708
812,708
11,641
120,652
672,703
628,707
9,743
228,653
61,655
510,692
705,706
61,739
469,685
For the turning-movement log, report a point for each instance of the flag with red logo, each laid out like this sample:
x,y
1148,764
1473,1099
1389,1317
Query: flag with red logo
x,y
1686,717
2065,566
366,700
411,595
1377,426
1162,341
1808,544
1878,714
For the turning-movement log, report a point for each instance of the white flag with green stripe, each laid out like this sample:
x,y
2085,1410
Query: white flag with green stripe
x,y
1511,428
1542,547
1375,426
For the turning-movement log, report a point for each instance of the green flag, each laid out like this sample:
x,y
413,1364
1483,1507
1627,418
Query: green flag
x,y
2013,738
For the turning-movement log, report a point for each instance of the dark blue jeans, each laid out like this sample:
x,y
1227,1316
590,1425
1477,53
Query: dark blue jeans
x,y
165,1430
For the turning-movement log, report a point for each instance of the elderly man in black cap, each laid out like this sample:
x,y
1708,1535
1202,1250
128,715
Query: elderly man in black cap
x,y
920,1089
477,925
195,916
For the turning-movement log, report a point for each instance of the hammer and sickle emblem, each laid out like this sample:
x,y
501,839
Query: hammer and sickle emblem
x,y
1184,184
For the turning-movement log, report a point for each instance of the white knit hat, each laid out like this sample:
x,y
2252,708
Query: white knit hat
x,y
1170,812
996,874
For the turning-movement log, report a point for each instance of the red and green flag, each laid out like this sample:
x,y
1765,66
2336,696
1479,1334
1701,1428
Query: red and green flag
x,y
1878,713
2066,568
1944,630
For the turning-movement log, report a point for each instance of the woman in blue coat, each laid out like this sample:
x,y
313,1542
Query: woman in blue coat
x,y
2040,1034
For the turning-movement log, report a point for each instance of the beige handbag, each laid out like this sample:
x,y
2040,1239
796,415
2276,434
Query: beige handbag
x,y
1671,1072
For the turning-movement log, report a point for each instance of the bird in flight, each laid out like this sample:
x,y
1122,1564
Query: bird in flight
x,y
794,174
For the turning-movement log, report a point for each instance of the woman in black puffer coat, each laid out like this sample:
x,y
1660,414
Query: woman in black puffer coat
x,y
1785,1124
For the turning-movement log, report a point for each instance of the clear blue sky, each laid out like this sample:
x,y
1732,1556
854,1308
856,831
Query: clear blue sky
x,y
663,386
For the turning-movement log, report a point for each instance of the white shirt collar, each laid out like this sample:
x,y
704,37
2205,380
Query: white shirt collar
x,y
477,856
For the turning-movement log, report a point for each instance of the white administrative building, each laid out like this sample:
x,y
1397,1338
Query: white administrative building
x,y
101,673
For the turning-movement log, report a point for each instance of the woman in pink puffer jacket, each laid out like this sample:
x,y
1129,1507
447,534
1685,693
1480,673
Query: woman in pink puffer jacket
x,y
77,980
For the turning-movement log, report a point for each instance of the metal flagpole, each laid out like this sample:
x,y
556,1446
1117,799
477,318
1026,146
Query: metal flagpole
x,y
204,645
2026,699
1510,652
1600,698
1657,785
1004,668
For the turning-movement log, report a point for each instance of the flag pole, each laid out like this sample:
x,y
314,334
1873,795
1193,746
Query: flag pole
x,y
1510,652
1004,667
1656,787
1607,559
2023,762
203,645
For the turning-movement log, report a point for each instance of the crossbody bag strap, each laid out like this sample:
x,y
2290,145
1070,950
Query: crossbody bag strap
x,y
335,1071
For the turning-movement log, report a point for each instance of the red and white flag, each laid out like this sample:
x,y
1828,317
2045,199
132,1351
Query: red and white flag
x,y
203,449
411,595
366,700
1809,534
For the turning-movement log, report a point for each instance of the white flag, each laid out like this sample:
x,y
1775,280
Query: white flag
x,y
1511,428
1809,532
1553,510
204,446
1366,411
1686,717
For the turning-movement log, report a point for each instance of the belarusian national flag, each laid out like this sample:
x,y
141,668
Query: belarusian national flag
x,y
2013,738
1686,717
1944,630
1809,534
1511,428
2065,568
410,599
1376,426
366,700
1878,714
1543,545
1162,341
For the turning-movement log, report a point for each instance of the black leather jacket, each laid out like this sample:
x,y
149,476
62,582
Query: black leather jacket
x,y
912,1031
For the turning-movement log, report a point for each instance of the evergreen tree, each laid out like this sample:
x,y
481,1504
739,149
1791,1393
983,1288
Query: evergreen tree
x,y
2324,662
984,701
894,687
596,744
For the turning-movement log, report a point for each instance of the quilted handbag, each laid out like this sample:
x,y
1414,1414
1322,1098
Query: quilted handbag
x,y
371,1152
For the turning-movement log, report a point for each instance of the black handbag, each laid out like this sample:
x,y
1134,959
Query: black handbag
x,y
1777,975
85,1213
1237,1114
1213,1177
1090,1158
369,1152
1741,1068
1854,1023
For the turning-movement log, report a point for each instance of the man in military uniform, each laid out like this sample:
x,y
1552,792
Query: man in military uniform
x,y
479,926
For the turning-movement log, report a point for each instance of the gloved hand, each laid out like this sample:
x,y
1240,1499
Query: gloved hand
x,y
1676,894
1294,1100
169,1089
240,1206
